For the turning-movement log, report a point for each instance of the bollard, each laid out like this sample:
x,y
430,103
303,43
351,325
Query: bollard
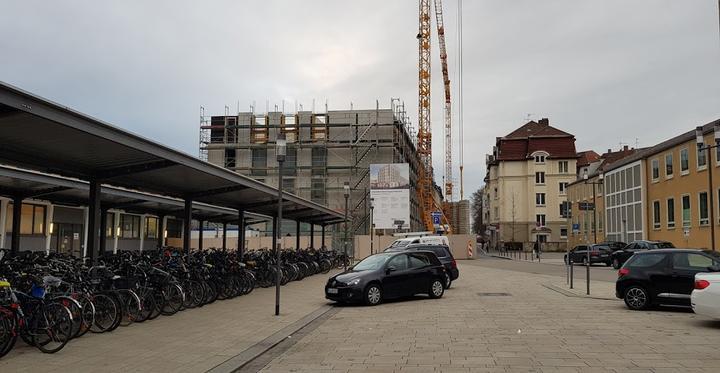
x,y
571,272
525,254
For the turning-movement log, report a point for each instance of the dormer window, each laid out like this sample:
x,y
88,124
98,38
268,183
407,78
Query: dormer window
x,y
540,158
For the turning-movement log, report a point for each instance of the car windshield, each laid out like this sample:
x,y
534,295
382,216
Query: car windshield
x,y
400,243
663,245
372,262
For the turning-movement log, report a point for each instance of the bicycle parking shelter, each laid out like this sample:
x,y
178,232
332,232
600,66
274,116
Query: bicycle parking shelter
x,y
63,155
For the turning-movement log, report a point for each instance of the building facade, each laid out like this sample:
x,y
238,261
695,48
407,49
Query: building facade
x,y
526,186
324,151
589,226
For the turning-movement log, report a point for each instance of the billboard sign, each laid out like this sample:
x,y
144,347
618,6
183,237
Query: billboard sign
x,y
390,191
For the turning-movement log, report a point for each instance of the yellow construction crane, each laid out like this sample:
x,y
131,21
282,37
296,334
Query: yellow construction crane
x,y
428,204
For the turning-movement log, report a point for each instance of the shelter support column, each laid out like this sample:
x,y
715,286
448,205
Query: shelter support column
x,y
200,234
241,233
322,241
312,235
224,238
297,235
161,231
187,219
17,215
93,241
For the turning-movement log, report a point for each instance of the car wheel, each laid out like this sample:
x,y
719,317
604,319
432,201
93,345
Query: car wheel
x,y
448,281
373,295
616,264
437,289
608,264
636,298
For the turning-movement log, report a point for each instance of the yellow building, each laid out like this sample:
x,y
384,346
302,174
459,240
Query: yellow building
x,y
678,207
587,226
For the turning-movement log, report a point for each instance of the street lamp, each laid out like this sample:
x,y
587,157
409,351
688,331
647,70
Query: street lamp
x,y
594,208
280,152
346,193
699,138
372,225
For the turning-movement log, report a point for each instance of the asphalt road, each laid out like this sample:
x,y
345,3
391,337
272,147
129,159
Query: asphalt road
x,y
597,272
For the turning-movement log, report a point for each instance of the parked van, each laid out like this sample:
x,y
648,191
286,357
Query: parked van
x,y
431,240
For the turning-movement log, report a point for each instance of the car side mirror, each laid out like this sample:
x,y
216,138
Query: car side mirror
x,y
390,269
714,268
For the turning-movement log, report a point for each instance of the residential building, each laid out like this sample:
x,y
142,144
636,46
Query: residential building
x,y
526,181
588,226
663,193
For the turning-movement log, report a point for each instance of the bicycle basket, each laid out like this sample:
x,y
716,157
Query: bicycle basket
x,y
37,292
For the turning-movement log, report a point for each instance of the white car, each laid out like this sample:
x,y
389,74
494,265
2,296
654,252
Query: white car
x,y
705,298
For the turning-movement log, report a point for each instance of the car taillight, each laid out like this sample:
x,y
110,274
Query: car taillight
x,y
623,272
701,284
454,263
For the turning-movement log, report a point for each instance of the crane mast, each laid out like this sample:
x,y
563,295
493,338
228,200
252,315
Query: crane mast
x,y
448,110
424,146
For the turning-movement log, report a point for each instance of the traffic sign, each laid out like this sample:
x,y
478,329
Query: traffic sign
x,y
585,206
436,217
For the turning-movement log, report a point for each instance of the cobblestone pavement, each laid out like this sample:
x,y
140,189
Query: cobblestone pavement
x,y
190,341
534,329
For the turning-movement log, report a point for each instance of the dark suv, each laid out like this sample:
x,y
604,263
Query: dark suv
x,y
599,253
662,277
443,254
620,256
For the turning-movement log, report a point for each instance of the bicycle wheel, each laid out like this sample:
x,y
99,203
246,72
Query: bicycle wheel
x,y
148,304
131,306
174,297
75,310
106,311
53,327
8,332
88,314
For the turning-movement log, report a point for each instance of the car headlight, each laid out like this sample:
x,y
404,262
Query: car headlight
x,y
354,282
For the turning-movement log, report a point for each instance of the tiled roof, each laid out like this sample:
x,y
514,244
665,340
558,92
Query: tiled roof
x,y
586,157
535,136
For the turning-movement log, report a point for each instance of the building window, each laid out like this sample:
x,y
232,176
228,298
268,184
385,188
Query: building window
x,y
317,191
129,226
656,214
563,167
701,158
319,161
151,227
539,158
540,220
703,208
32,220
655,169
671,213
686,210
668,165
563,187
495,213
110,225
539,178
288,185
174,228
540,199
290,164
684,162
496,193
564,210
259,161
563,232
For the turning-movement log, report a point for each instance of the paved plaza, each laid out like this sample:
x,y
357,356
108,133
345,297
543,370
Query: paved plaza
x,y
533,329
492,320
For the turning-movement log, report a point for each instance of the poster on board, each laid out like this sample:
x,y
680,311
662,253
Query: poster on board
x,y
390,191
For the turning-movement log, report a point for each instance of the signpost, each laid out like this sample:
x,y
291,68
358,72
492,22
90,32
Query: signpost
x,y
586,206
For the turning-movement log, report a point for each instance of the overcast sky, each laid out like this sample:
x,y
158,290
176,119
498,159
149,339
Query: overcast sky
x,y
608,71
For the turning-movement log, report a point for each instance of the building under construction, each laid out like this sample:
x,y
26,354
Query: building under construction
x,y
324,151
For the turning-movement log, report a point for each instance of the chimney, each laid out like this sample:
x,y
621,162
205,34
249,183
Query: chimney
x,y
609,150
544,122
625,148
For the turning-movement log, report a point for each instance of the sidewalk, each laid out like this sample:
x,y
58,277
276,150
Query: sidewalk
x,y
194,340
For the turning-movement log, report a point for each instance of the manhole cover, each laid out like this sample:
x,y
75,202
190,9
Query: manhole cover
x,y
493,294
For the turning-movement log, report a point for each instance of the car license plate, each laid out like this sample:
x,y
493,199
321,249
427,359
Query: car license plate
x,y
332,291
